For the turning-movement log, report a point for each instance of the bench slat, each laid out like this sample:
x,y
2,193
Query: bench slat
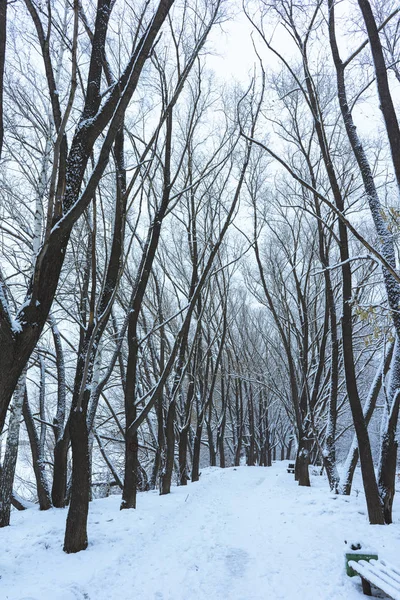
x,y
380,580
391,567
388,570
384,576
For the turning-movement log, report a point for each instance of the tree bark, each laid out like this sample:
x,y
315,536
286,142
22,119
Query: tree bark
x,y
367,467
11,453
3,36
42,486
76,538
168,466
60,470
196,453
385,97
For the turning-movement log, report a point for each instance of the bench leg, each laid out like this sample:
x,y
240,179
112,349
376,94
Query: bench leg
x,y
366,587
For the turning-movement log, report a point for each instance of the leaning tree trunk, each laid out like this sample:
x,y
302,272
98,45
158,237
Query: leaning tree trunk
x,y
369,407
385,98
42,486
384,234
11,453
374,506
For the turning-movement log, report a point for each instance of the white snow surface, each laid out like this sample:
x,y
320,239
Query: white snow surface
x,y
246,533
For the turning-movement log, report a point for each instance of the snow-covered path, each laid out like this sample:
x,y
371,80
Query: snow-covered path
x,y
238,534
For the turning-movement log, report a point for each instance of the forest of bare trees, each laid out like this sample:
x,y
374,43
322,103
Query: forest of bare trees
x,y
196,271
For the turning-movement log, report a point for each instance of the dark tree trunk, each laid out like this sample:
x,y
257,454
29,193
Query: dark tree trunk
x,y
76,538
131,457
186,417
3,35
144,271
220,441
60,471
168,467
251,451
37,457
385,98
389,449
155,470
388,461
196,453
239,421
367,467
211,446
11,453
267,444
161,450
302,464
182,453
369,407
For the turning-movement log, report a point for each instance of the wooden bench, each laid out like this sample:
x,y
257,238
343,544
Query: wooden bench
x,y
290,468
381,574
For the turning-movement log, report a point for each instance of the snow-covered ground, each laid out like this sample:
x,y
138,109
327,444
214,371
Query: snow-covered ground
x,y
247,533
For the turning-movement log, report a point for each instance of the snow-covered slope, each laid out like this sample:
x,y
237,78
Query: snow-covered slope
x,y
239,534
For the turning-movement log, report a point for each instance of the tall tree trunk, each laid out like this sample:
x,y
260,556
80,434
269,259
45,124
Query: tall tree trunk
x,y
382,81
11,453
76,538
389,444
251,450
211,446
368,409
220,440
3,36
144,271
384,235
367,466
168,467
196,453
42,486
182,455
60,470
239,421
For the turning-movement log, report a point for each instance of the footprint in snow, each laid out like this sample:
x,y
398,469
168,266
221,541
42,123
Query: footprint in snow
x,y
236,561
